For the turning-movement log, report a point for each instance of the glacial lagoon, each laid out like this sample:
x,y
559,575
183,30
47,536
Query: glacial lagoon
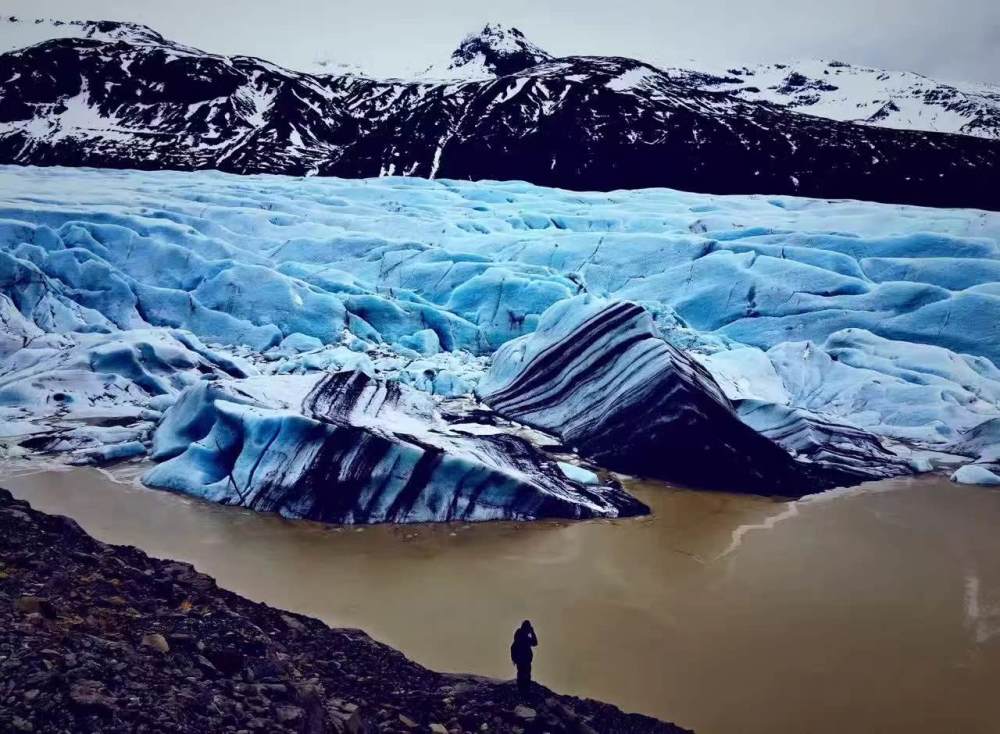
x,y
870,609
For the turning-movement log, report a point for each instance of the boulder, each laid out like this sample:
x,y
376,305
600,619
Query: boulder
x,y
156,641
35,605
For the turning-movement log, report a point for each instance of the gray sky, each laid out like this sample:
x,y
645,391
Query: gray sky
x,y
957,40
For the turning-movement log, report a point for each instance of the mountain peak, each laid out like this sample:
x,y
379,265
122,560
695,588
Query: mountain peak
x,y
496,50
17,33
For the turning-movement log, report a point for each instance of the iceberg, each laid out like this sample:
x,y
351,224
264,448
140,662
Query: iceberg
x,y
977,474
343,447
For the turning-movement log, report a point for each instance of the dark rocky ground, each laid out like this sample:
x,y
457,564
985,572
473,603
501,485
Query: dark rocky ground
x,y
102,638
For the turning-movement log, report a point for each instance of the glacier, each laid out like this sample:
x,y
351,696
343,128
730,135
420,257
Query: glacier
x,y
818,321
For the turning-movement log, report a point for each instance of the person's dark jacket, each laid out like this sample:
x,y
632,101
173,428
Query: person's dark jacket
x,y
520,650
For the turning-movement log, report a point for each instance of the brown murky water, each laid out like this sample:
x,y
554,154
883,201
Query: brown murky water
x,y
871,610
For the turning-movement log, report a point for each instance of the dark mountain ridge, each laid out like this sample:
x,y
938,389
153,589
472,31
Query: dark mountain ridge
x,y
582,122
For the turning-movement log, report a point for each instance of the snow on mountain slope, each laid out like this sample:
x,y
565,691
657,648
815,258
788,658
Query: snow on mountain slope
x,y
583,122
882,318
850,93
333,67
830,89
496,50
17,33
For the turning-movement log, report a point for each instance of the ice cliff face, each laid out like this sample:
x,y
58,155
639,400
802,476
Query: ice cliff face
x,y
347,448
600,376
820,323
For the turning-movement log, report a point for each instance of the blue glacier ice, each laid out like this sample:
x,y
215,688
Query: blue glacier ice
x,y
97,395
348,448
599,375
881,318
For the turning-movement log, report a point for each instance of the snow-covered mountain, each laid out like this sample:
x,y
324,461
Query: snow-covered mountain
x,y
120,98
333,67
18,33
840,91
831,89
496,50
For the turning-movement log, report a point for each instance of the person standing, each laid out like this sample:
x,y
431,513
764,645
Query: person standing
x,y
521,654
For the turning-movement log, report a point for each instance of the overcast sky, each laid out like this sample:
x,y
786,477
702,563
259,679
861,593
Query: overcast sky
x,y
956,39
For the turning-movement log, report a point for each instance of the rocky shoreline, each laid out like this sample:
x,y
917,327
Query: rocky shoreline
x,y
96,637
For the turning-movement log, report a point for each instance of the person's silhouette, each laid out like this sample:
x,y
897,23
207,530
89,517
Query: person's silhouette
x,y
522,655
